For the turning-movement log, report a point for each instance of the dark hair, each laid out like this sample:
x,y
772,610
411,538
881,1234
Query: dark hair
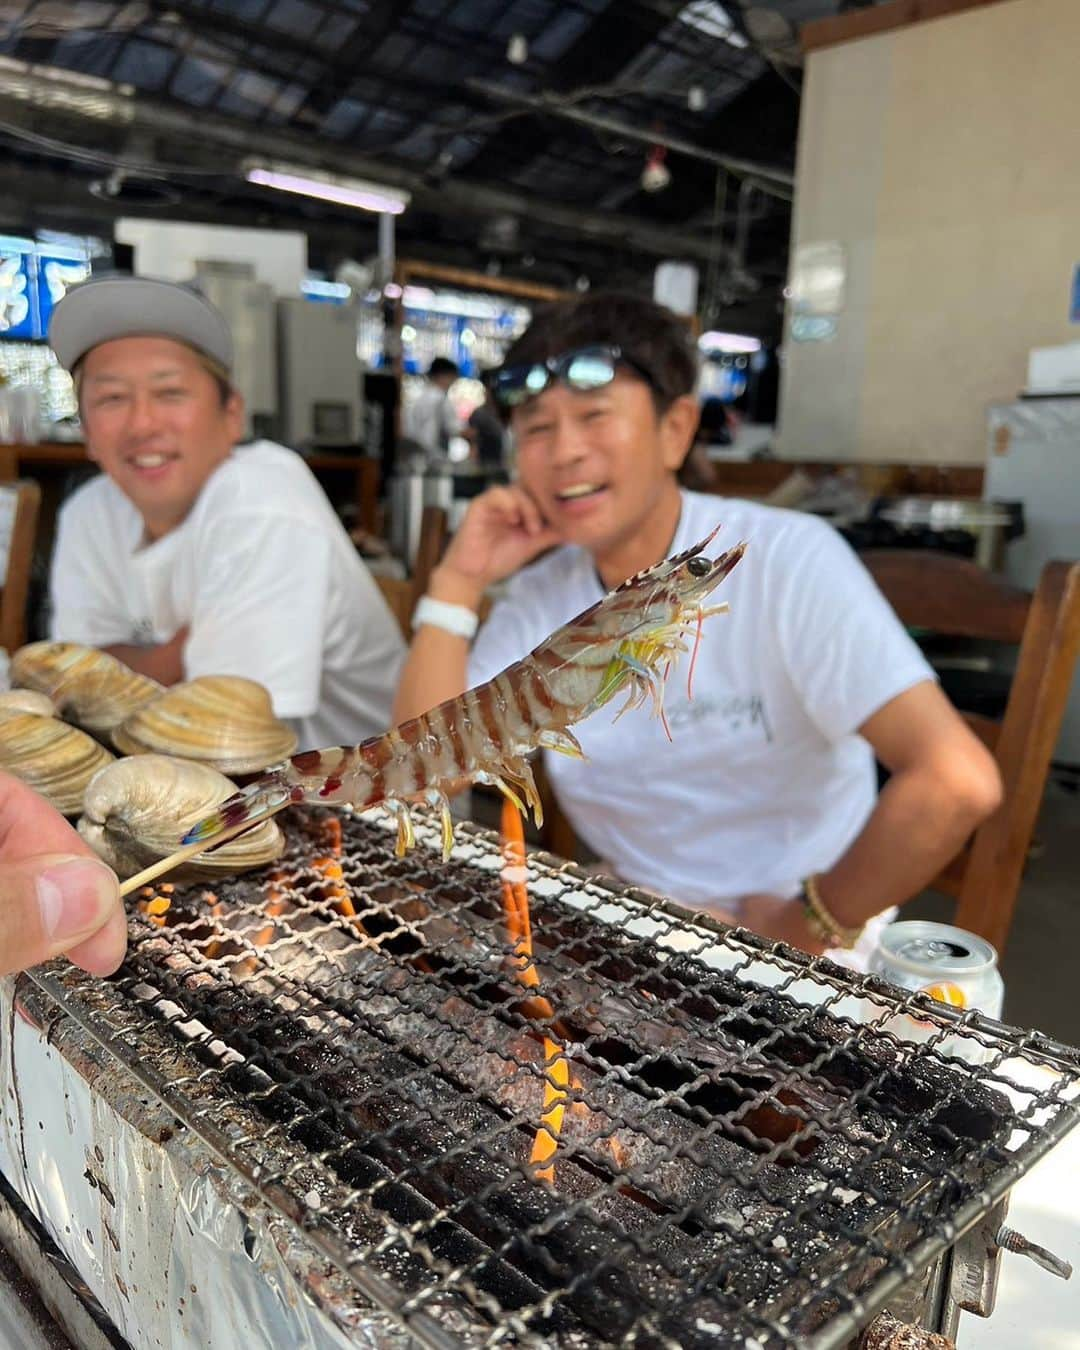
x,y
213,367
657,339
442,365
219,375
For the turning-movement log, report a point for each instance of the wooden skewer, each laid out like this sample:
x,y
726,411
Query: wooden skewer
x,y
174,860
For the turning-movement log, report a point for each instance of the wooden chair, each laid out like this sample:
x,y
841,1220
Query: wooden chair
x,y
398,594
434,535
402,595
19,504
955,598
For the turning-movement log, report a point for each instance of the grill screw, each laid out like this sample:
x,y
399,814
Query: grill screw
x,y
1012,1241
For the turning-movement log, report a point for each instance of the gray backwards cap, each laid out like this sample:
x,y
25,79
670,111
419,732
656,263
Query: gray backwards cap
x,y
125,306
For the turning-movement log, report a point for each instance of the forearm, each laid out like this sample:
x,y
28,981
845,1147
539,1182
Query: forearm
x,y
919,823
163,663
436,668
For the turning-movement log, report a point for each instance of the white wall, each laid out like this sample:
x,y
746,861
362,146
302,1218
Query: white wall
x,y
169,250
944,158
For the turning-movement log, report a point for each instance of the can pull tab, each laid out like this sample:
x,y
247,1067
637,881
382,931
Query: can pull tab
x,y
1011,1241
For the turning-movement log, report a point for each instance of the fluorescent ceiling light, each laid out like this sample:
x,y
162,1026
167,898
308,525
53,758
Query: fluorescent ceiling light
x,y
467,306
355,192
66,90
728,342
328,290
712,19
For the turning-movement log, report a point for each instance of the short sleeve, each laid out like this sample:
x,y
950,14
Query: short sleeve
x,y
260,608
505,637
85,607
845,650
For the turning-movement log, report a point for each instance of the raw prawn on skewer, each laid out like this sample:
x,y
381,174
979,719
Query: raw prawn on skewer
x,y
628,641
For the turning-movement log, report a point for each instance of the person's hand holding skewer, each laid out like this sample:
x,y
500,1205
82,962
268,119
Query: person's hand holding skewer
x,y
56,897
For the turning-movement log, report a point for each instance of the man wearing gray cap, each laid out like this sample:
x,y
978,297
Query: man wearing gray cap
x,y
190,555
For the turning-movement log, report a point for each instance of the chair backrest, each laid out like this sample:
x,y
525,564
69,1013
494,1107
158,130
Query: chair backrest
x,y
954,597
19,504
397,592
402,596
434,532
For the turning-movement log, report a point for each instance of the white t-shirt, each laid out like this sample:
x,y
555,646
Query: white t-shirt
x,y
429,418
765,780
263,575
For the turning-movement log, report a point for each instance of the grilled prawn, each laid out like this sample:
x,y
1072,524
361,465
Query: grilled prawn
x,y
627,642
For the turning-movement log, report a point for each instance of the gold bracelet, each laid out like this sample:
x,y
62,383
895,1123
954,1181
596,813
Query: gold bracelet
x,y
821,922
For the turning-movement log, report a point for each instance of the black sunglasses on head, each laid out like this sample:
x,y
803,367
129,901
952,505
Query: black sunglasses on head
x,y
584,369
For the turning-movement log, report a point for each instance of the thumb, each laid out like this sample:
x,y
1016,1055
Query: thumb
x,y
58,904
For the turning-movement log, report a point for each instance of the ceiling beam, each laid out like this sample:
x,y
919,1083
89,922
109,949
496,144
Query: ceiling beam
x,y
770,179
216,133
597,56
45,197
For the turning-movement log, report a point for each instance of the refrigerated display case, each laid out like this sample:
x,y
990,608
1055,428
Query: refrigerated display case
x,y
1033,455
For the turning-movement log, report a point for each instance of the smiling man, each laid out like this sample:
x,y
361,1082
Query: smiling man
x,y
764,807
190,555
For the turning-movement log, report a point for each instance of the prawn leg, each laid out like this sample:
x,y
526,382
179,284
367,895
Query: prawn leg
x,y
495,781
438,800
406,835
565,742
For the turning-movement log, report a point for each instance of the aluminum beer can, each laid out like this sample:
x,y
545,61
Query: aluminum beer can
x,y
954,967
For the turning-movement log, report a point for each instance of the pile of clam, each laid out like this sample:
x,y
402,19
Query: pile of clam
x,y
74,706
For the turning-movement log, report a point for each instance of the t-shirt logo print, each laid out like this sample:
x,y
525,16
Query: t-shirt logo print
x,y
731,715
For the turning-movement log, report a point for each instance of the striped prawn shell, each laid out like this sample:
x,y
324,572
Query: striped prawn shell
x,y
486,733
475,732
500,721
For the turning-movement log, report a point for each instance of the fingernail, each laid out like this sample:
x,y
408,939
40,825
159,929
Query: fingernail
x,y
75,896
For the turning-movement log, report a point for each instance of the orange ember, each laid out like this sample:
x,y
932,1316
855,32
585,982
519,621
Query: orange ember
x,y
556,1079
156,906
275,905
556,1068
619,1153
330,868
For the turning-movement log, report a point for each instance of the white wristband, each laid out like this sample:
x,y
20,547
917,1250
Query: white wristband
x,y
456,619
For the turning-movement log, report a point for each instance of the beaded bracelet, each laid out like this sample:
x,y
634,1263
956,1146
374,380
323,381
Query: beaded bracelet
x,y
821,923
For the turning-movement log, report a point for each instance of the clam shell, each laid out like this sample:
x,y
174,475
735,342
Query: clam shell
x,y
88,686
221,720
56,760
137,810
27,700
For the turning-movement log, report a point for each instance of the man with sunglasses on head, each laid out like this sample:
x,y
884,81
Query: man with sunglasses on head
x,y
764,809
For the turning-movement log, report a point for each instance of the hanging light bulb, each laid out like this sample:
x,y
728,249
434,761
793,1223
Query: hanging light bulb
x,y
656,175
696,98
517,49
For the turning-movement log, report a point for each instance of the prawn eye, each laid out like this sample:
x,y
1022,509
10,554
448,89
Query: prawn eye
x,y
699,567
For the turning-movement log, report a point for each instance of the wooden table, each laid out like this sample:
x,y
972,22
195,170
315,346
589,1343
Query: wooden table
x,y
27,461
759,477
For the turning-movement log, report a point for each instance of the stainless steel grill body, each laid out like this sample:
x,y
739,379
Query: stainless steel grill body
x,y
750,1154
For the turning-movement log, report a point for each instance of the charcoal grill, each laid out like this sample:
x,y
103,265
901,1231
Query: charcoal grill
x,y
757,1149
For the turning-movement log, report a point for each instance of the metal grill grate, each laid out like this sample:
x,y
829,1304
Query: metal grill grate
x,y
748,1154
